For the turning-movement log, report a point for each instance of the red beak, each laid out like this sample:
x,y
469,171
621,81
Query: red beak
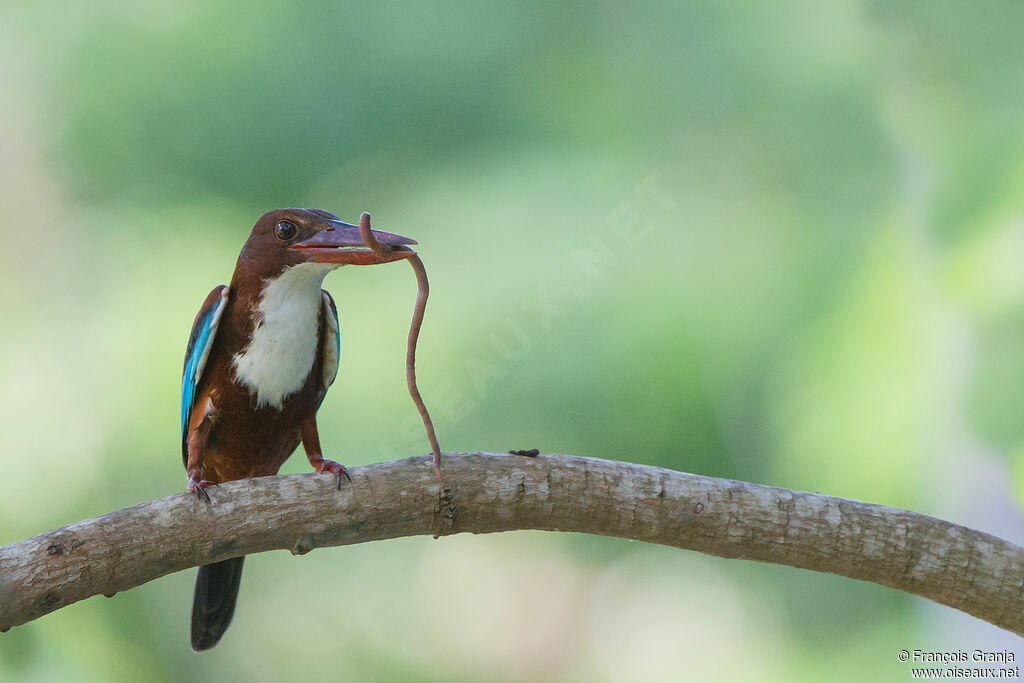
x,y
342,244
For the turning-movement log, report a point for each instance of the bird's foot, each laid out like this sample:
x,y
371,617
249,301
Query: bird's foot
x,y
197,485
321,466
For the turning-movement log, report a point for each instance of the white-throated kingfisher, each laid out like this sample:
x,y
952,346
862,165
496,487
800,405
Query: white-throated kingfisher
x,y
262,353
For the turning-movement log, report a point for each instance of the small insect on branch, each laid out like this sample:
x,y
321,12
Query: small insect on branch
x,y
422,291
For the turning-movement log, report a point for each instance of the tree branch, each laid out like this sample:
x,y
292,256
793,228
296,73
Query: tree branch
x,y
488,492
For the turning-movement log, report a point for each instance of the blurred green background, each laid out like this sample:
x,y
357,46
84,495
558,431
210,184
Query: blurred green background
x,y
776,243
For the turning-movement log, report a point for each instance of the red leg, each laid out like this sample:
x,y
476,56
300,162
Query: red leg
x,y
197,439
311,443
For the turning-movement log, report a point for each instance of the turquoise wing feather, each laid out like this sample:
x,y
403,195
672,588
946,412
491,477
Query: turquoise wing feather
x,y
204,331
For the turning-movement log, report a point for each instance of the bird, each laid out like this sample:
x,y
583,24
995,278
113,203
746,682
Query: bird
x,y
261,355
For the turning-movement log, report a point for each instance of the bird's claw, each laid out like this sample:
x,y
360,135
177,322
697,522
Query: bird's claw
x,y
322,466
198,487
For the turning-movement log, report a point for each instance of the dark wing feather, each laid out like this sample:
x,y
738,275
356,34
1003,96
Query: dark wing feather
x,y
330,346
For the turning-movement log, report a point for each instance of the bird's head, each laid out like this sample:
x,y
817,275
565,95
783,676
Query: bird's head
x,y
285,238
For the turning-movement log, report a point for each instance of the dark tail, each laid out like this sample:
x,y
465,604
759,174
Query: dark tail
x,y
214,602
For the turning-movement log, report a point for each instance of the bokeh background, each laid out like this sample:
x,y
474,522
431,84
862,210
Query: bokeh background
x,y
780,243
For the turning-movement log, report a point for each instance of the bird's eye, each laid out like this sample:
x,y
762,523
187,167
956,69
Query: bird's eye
x,y
284,231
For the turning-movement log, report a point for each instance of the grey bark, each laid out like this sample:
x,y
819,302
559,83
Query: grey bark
x,y
488,492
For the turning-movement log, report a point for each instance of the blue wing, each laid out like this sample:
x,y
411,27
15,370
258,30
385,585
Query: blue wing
x,y
330,346
204,329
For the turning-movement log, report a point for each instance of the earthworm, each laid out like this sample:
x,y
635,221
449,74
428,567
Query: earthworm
x,y
422,291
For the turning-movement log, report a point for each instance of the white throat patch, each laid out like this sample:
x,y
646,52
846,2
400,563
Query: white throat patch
x,y
283,346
